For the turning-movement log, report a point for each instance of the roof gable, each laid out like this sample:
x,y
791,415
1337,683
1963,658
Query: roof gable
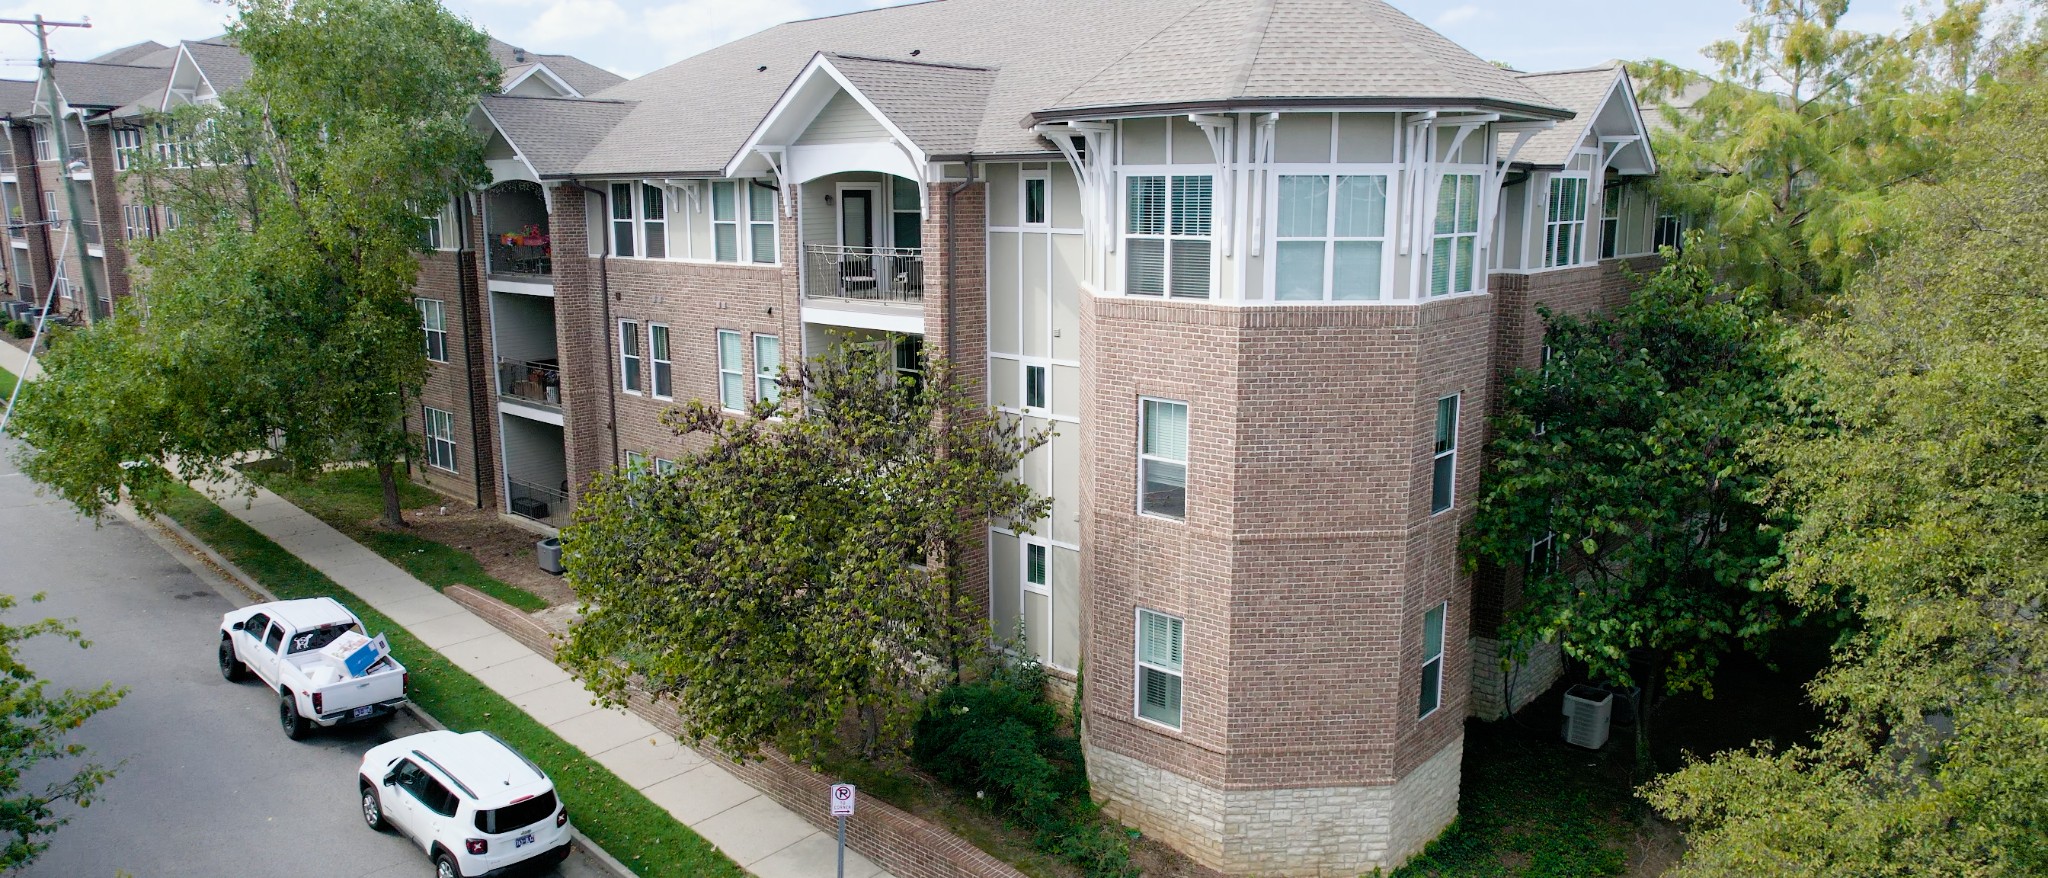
x,y
1603,102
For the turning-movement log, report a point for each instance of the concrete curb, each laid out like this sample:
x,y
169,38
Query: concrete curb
x,y
234,576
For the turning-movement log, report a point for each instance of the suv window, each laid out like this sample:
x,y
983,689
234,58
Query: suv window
x,y
425,788
517,815
307,641
276,637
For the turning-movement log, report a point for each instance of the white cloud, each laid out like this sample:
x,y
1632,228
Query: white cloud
x,y
115,23
1458,15
569,21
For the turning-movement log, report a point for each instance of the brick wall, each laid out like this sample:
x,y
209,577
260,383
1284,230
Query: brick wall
x,y
108,194
449,384
29,177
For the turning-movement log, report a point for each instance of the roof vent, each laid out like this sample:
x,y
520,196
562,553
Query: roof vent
x,y
916,52
518,55
761,69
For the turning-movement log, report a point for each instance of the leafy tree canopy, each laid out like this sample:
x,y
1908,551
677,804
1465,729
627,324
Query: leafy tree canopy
x,y
1788,156
805,567
34,726
1922,493
1627,446
281,306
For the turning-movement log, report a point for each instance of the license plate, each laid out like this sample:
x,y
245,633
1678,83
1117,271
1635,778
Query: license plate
x,y
523,840
363,711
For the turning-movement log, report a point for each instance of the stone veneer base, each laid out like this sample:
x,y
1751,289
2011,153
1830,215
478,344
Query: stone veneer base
x,y
1526,679
1315,831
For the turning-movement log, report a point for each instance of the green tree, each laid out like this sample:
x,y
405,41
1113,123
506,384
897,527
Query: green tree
x,y
1788,156
1922,495
806,566
33,728
1627,449
282,306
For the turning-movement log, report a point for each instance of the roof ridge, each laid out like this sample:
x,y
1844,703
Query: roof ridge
x,y
1611,65
559,99
105,64
1132,49
911,62
1250,44
853,12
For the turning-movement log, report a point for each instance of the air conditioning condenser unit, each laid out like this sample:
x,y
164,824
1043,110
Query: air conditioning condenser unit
x,y
1588,711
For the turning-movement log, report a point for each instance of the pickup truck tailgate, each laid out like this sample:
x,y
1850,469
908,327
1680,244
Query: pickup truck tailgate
x,y
340,693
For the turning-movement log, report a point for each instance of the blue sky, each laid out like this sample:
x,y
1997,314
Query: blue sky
x,y
632,37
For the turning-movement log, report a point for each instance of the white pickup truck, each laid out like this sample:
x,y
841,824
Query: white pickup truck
x,y
300,650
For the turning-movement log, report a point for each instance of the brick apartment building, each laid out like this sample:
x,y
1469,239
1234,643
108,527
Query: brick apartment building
x,y
1261,266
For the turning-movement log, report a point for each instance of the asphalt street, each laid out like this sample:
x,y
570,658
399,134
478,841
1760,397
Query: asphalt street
x,y
207,784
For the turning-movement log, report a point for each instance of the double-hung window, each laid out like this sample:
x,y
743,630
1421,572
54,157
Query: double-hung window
x,y
732,380
629,356
1564,222
1610,219
1159,667
1330,235
1432,689
1453,254
653,222
135,219
50,211
1166,235
725,225
440,430
664,368
430,232
1670,231
434,323
1163,458
761,224
1443,474
767,368
622,220
46,149
127,142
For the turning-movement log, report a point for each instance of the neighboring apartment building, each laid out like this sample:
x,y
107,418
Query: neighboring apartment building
x,y
1261,266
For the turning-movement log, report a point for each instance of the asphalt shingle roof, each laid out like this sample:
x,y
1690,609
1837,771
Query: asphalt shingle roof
x,y
938,106
105,86
225,66
694,115
554,133
581,75
1580,91
131,54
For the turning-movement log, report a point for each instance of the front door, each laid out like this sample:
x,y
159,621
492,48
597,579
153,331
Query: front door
x,y
857,217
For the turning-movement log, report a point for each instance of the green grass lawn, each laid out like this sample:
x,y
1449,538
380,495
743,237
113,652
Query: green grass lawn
x,y
612,813
351,501
7,380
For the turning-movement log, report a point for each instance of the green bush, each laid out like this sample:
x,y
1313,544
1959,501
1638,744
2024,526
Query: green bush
x,y
20,329
1000,739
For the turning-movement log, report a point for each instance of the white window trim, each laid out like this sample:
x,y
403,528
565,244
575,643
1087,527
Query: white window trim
x,y
1388,257
1443,610
1123,223
1186,470
755,189
1549,543
439,308
45,142
738,370
654,385
1024,181
127,143
1139,666
1024,390
1457,421
428,429
1479,272
1545,257
632,369
739,244
636,465
663,466
766,372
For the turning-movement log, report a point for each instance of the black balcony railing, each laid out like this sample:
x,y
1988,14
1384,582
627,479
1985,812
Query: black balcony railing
x,y
868,274
538,381
537,502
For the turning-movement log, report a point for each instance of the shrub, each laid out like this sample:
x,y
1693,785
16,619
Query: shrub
x,y
999,738
20,329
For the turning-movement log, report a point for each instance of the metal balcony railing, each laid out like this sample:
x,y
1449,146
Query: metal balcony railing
x,y
539,503
538,381
866,274
534,259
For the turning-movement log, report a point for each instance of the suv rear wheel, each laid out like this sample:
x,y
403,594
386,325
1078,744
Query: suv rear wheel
x,y
444,867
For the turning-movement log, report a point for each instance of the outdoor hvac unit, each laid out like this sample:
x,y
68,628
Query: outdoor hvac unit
x,y
1587,711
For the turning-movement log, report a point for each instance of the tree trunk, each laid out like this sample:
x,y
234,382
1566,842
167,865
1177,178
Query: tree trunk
x,y
387,476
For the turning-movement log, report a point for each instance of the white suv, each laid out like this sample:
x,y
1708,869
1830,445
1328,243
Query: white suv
x,y
476,806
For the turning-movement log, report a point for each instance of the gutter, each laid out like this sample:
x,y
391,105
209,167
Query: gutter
x,y
1176,108
604,291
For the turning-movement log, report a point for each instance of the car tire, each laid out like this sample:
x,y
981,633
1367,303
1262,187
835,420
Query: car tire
x,y
373,809
295,726
444,867
231,668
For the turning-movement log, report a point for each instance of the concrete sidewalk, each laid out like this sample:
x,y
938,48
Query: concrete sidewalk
x,y
767,839
16,361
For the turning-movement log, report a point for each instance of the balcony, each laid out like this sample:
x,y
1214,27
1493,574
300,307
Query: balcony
x,y
516,242
537,503
533,381
864,274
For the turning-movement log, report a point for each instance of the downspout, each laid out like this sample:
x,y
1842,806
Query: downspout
x,y
604,290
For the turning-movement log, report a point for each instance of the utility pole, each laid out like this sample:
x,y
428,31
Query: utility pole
x,y
56,108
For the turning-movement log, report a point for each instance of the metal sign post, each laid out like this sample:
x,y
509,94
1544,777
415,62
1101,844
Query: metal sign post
x,y
842,808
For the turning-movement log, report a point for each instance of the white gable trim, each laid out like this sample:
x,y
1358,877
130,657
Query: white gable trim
x,y
531,174
185,61
556,82
799,97
1621,84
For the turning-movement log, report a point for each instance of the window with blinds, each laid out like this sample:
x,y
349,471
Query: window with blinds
x,y
1167,235
1329,237
1163,458
1432,688
1159,667
440,434
1444,464
725,225
664,365
629,356
654,221
761,224
622,220
1564,222
434,324
767,368
732,381
1455,240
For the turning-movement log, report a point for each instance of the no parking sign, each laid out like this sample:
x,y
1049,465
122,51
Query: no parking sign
x,y
842,800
